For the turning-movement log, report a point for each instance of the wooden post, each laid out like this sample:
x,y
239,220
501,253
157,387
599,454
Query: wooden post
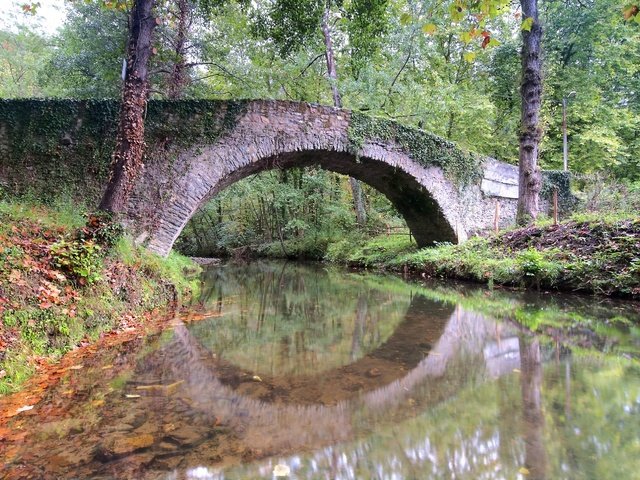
x,y
555,206
496,218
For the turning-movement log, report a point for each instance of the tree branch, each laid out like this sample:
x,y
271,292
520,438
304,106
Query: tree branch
x,y
395,79
318,57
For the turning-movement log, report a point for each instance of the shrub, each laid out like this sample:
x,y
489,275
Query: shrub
x,y
81,259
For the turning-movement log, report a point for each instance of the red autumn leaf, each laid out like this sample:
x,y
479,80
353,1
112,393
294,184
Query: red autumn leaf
x,y
485,42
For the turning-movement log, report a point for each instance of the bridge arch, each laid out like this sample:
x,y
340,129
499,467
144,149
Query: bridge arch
x,y
406,165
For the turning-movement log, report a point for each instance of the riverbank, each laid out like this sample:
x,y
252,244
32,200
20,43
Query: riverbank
x,y
590,255
64,283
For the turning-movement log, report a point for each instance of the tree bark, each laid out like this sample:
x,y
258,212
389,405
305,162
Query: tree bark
x,y
530,132
178,79
356,188
126,162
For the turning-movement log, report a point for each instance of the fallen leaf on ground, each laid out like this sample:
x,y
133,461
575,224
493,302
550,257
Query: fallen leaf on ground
x,y
24,409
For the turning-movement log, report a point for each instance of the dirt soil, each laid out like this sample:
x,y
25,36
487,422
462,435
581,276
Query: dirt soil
x,y
581,238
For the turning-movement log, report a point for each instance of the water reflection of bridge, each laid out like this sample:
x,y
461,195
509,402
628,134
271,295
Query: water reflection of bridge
x,y
448,343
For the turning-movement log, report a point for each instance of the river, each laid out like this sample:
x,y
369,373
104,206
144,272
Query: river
x,y
306,371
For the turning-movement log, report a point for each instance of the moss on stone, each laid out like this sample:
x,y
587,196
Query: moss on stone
x,y
427,149
52,148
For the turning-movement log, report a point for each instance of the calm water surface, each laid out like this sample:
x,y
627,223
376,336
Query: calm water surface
x,y
323,374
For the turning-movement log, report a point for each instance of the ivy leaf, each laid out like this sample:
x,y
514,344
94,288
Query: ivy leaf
x,y
527,24
405,19
469,57
429,28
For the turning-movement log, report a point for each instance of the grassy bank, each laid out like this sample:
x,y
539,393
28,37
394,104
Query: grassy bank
x,y
63,282
590,255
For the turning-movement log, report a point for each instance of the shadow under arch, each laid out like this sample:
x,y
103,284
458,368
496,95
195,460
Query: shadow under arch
x,y
423,214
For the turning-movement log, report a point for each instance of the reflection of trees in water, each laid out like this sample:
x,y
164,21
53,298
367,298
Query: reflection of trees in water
x,y
457,361
359,326
493,429
466,428
532,415
297,318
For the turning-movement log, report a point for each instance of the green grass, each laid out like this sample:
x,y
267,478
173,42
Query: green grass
x,y
18,368
377,251
60,214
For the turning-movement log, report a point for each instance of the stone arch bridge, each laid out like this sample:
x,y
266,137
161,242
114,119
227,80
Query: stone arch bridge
x,y
197,148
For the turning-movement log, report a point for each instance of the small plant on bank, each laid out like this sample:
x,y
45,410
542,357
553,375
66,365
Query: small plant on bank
x,y
81,259
531,262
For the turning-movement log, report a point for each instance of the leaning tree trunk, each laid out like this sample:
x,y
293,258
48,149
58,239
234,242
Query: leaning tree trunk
x,y
356,188
530,132
126,162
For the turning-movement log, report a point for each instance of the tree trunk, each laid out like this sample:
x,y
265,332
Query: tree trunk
x,y
178,78
126,162
530,132
328,52
356,188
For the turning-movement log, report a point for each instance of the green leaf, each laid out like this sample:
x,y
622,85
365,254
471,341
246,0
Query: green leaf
x,y
456,12
493,42
527,24
429,28
469,57
405,19
466,37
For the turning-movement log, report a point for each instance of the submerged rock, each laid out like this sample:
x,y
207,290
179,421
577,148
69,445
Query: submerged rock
x,y
120,446
188,436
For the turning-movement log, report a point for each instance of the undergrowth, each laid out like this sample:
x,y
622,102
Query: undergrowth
x,y
65,280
